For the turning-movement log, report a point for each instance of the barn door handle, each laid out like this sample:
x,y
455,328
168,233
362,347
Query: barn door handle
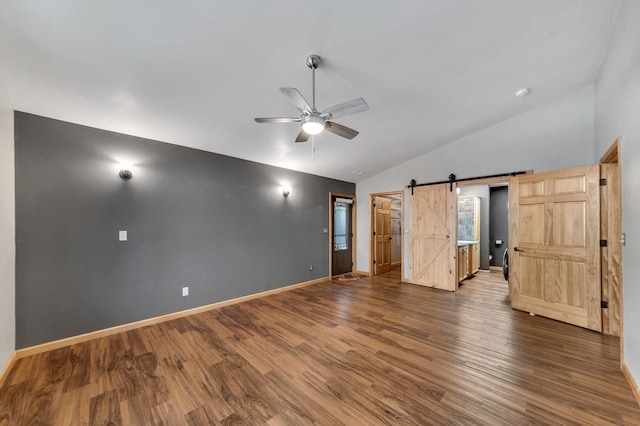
x,y
517,249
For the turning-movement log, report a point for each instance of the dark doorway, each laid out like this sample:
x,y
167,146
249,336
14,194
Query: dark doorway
x,y
342,250
498,223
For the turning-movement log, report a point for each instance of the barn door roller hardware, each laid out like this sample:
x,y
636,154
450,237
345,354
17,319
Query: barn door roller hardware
x,y
453,178
412,184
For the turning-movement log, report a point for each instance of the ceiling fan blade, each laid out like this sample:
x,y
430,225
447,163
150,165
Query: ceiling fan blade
x,y
302,136
296,98
277,119
346,108
341,130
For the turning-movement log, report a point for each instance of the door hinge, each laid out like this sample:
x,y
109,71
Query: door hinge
x,y
603,243
374,204
374,233
604,304
603,182
374,262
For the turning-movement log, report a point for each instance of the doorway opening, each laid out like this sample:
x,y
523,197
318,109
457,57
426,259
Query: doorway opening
x,y
386,231
483,227
342,251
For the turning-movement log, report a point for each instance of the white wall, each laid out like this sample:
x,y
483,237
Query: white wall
x,y
618,114
554,136
7,234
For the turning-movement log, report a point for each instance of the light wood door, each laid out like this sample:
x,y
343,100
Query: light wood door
x,y
382,235
554,266
433,244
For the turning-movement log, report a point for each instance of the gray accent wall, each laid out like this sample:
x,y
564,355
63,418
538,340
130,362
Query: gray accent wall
x,y
216,224
498,223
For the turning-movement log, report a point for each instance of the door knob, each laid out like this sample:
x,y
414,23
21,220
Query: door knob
x,y
517,249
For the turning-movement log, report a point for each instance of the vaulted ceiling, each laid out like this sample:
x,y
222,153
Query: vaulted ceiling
x,y
196,73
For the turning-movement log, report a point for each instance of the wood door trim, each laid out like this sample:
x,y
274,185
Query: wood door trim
x,y
354,251
612,154
371,224
611,255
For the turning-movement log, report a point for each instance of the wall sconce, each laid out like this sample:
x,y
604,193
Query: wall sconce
x,y
286,190
125,171
125,174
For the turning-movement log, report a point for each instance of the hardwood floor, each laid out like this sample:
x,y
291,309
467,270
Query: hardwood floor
x,y
372,351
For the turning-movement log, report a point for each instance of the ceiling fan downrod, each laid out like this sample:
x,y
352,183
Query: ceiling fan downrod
x,y
312,62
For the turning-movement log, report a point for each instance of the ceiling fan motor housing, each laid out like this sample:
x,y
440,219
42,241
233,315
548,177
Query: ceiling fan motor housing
x,y
313,61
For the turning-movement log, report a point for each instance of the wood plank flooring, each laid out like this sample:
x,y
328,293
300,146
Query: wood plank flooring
x,y
372,351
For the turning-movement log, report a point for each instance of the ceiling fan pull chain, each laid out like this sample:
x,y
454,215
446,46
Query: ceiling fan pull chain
x,y
313,148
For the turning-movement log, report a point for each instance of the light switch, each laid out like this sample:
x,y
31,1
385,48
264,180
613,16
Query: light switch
x,y
325,231
498,242
122,235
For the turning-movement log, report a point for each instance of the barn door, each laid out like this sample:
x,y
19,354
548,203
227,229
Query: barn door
x,y
433,242
554,266
382,235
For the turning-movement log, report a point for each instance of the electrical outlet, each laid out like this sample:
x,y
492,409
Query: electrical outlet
x,y
185,291
122,235
311,267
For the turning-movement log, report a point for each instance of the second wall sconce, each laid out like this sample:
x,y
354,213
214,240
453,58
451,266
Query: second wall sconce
x,y
125,173
286,190
125,170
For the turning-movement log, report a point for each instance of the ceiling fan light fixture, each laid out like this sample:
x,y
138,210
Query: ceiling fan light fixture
x,y
313,121
313,125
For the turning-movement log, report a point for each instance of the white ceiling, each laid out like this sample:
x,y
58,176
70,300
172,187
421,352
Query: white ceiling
x,y
196,73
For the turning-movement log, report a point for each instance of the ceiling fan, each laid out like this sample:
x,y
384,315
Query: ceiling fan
x,y
314,121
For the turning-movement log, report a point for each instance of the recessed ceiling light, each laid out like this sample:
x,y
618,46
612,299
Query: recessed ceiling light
x,y
357,172
523,92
